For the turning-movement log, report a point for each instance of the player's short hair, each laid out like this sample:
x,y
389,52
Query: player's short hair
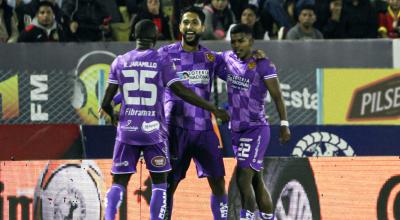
x,y
45,4
196,10
242,28
145,29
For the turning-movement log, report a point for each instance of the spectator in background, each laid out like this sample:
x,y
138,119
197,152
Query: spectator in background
x,y
151,10
359,19
251,19
89,19
19,8
282,11
8,24
27,12
389,22
304,29
218,19
44,27
330,21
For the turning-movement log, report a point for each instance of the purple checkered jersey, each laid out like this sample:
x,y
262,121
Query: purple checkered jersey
x,y
246,89
196,70
142,76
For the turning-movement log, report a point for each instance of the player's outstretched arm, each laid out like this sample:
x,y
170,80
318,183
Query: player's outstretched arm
x,y
106,103
276,94
189,96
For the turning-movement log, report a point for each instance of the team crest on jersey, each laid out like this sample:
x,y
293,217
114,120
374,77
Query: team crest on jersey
x,y
159,161
210,57
251,65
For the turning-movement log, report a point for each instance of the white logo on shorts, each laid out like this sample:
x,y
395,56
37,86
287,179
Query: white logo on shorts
x,y
151,126
122,164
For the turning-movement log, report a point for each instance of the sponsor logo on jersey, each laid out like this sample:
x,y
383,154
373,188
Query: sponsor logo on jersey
x,y
151,126
195,76
238,82
159,161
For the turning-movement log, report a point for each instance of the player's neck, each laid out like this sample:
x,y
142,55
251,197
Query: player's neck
x,y
144,45
189,48
246,57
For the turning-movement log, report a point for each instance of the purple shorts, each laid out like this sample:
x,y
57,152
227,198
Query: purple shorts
x,y
250,145
202,146
126,157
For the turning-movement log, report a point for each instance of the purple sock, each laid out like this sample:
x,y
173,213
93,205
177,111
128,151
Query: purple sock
x,y
219,207
158,202
113,200
246,214
266,216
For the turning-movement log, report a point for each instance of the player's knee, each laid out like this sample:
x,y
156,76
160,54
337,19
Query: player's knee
x,y
121,179
244,177
158,178
217,185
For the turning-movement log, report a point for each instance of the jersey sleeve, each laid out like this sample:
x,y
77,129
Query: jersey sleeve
x,y
113,76
168,71
220,70
266,69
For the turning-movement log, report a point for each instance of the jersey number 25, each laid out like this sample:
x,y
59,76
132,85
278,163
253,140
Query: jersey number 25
x,y
139,84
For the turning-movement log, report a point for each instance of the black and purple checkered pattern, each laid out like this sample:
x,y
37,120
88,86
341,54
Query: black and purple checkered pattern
x,y
196,70
246,89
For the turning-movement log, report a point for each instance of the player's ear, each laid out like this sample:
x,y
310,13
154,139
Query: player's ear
x,y
251,40
203,27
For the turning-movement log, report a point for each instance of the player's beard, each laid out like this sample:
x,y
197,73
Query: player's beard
x,y
193,42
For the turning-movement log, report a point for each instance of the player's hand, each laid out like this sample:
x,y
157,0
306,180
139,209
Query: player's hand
x,y
73,27
284,135
259,54
102,114
221,114
114,119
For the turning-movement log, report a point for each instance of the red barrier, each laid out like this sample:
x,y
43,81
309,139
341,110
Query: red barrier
x,y
36,142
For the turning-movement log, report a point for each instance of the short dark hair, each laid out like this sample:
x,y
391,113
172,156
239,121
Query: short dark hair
x,y
196,10
45,4
307,7
242,28
145,29
251,7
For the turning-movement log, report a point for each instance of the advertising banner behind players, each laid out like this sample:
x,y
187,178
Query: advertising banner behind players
x,y
359,96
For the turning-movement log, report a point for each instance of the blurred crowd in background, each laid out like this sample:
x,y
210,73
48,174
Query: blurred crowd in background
x,y
112,20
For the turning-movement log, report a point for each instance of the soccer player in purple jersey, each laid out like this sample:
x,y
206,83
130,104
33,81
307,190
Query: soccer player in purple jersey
x,y
142,75
248,81
191,133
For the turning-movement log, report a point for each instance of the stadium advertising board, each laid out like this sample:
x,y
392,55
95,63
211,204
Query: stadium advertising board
x,y
359,96
345,140
40,142
306,141
302,188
